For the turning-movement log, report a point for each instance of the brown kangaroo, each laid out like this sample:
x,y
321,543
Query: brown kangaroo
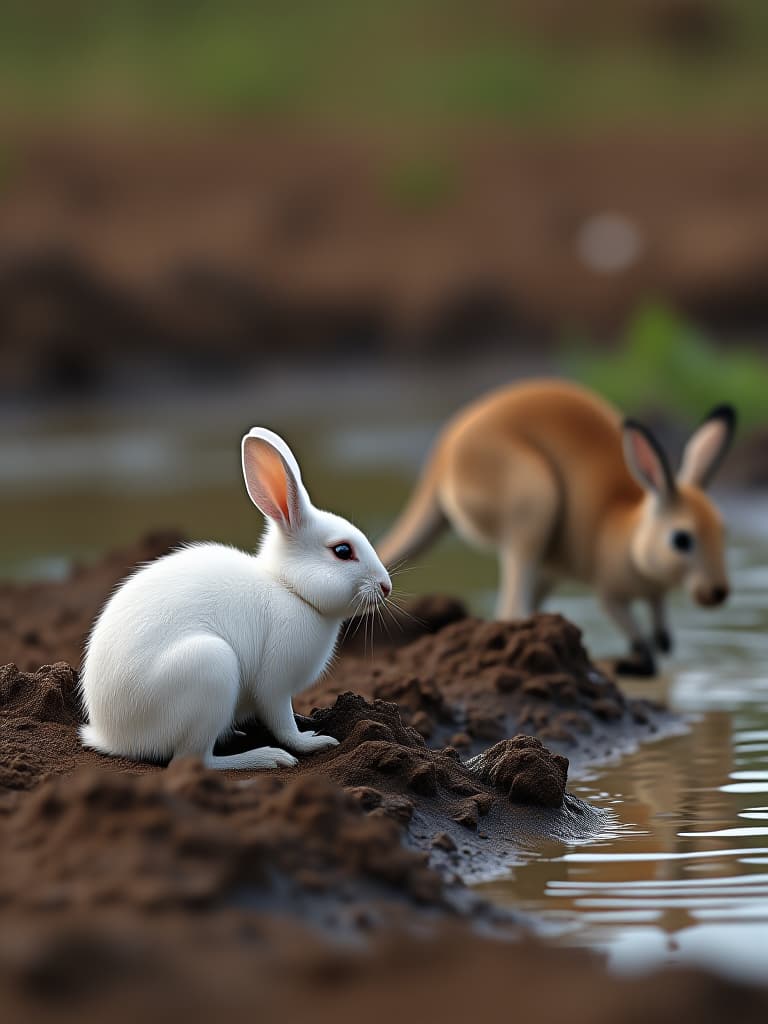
x,y
554,479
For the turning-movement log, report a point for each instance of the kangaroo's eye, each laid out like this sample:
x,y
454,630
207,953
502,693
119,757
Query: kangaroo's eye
x,y
343,551
682,540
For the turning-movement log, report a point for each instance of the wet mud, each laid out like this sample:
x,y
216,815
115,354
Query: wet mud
x,y
471,817
331,890
470,683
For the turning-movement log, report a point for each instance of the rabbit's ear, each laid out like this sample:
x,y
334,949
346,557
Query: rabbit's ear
x,y
646,461
708,446
273,478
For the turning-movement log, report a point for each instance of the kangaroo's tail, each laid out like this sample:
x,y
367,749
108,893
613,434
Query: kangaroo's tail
x,y
419,524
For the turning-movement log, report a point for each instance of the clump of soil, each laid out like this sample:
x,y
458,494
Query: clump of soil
x,y
475,682
525,770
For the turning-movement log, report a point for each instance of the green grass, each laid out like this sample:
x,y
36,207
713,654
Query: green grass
x,y
422,59
421,185
666,364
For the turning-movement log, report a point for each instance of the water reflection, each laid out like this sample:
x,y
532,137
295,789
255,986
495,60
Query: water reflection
x,y
685,879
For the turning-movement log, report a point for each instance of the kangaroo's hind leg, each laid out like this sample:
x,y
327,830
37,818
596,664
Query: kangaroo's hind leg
x,y
200,679
502,493
528,513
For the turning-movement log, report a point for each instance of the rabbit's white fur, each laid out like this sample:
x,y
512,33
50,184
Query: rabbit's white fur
x,y
210,636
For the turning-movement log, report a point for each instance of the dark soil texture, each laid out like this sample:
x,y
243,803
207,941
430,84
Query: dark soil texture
x,y
330,890
470,683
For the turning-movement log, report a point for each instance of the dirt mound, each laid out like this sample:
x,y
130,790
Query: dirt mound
x,y
189,838
475,682
127,889
457,680
383,765
48,695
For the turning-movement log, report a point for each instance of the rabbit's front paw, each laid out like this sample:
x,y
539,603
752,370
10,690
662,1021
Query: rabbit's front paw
x,y
310,742
278,758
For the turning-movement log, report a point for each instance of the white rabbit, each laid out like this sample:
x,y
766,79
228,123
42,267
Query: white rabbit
x,y
209,636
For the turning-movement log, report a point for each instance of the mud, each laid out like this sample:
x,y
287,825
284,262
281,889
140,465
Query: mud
x,y
225,969
473,818
228,248
457,680
473,682
329,891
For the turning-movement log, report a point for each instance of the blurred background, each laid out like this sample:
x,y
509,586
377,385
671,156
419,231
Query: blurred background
x,y
344,220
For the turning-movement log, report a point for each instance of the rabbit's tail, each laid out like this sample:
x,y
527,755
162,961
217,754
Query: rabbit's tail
x,y
91,739
419,524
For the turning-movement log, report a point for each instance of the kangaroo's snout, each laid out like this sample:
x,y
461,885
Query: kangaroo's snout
x,y
711,597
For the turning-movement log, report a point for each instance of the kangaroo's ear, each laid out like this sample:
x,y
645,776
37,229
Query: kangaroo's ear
x,y
273,478
646,461
708,446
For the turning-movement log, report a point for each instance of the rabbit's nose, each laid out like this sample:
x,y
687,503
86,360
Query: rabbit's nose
x,y
386,588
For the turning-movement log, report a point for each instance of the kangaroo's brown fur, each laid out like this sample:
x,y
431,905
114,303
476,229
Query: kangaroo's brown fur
x,y
550,476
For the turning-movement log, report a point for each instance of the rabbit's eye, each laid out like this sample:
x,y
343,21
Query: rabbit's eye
x,y
343,551
682,540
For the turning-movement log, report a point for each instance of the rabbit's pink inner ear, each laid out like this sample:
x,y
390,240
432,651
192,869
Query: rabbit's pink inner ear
x,y
267,480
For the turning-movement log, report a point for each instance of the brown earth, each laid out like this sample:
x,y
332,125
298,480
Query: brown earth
x,y
95,969
472,818
473,682
241,245
126,888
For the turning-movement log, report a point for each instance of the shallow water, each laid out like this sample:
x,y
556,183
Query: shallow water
x,y
682,873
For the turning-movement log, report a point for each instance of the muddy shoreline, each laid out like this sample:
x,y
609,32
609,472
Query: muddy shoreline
x,y
463,733
312,889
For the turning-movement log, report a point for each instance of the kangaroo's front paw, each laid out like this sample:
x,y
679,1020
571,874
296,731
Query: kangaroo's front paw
x,y
310,742
640,662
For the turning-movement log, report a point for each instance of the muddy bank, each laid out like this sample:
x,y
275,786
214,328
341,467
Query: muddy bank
x,y
457,680
130,889
469,683
223,249
471,819
328,891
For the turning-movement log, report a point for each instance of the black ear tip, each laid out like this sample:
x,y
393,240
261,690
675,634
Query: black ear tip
x,y
725,411
631,424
